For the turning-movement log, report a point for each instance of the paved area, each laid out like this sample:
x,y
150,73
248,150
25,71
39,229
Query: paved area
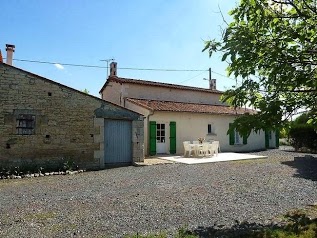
x,y
149,199
221,157
153,161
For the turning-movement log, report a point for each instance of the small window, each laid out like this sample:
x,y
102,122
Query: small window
x,y
25,124
211,129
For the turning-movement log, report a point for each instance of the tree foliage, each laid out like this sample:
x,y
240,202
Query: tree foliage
x,y
303,135
272,46
86,91
301,120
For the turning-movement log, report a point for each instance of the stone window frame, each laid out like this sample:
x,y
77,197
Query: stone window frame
x,y
25,124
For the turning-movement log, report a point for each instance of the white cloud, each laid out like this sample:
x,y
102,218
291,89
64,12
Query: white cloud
x,y
59,66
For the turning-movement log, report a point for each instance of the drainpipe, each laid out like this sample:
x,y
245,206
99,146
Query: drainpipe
x,y
148,131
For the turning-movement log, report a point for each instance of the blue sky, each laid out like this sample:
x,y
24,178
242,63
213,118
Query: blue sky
x,y
166,34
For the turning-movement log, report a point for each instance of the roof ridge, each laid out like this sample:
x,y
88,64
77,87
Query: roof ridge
x,y
154,83
178,102
139,102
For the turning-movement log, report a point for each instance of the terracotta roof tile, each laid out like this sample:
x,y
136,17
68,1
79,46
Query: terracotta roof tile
x,y
156,105
158,84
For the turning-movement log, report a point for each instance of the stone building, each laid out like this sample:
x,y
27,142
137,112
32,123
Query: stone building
x,y
43,122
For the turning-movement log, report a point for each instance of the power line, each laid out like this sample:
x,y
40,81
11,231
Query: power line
x,y
227,77
127,68
104,67
192,77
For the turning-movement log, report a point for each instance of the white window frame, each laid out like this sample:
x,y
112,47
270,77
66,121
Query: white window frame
x,y
159,137
238,140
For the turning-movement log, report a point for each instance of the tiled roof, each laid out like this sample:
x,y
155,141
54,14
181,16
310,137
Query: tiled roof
x,y
156,105
157,84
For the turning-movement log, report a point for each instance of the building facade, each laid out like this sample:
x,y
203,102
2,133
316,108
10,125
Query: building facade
x,y
177,113
44,122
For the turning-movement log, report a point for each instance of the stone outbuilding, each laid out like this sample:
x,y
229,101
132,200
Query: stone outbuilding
x,y
43,122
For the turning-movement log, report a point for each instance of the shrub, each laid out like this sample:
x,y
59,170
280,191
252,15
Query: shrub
x,y
303,135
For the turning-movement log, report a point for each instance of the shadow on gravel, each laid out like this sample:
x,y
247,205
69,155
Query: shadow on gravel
x,y
306,167
294,225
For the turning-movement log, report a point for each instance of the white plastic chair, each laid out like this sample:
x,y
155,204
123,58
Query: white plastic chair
x,y
188,148
206,150
214,147
218,145
203,149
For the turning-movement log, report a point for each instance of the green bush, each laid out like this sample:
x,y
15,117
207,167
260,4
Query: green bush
x,y
303,135
284,132
7,168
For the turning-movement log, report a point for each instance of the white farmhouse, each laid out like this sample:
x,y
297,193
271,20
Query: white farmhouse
x,y
176,113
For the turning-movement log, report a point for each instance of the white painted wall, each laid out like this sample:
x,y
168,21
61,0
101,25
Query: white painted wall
x,y
272,140
191,126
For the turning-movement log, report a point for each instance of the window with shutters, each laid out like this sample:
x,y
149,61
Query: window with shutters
x,y
237,138
25,124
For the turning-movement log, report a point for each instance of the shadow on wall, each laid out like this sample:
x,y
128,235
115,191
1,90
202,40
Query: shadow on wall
x,y
306,167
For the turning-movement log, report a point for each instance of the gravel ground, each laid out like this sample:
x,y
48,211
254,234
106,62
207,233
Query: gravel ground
x,y
127,200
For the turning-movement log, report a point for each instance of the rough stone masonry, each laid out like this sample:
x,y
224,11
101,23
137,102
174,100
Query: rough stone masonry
x,y
42,122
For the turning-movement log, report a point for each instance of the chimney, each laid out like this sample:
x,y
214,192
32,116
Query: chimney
x,y
113,69
212,84
10,50
1,59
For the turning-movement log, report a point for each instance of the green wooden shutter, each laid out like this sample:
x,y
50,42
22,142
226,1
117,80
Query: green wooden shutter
x,y
267,139
173,137
245,140
277,138
152,138
231,134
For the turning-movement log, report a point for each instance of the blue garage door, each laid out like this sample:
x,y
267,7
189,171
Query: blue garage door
x,y
118,141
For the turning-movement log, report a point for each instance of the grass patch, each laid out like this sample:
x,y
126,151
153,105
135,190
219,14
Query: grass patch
x,y
41,216
57,228
294,224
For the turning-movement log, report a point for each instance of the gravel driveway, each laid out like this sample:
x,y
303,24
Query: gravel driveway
x,y
119,201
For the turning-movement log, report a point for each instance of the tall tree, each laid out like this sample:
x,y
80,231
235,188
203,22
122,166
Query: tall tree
x,y
272,46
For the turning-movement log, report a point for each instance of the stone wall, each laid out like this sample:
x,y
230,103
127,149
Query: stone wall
x,y
138,141
65,120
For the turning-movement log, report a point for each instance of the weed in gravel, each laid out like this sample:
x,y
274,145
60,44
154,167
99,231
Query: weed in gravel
x,y
58,228
183,232
295,224
41,216
147,236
